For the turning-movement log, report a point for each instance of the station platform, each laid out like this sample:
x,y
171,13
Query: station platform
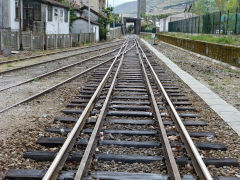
x,y
226,111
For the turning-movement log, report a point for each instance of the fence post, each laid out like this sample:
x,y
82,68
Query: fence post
x,y
46,41
213,23
17,40
71,45
195,27
31,43
236,20
191,25
56,40
1,41
43,40
220,14
227,22
64,41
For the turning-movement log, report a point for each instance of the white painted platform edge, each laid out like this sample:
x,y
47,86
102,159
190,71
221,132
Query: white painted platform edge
x,y
227,112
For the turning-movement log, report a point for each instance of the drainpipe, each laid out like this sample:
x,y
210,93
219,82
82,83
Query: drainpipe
x,y
20,25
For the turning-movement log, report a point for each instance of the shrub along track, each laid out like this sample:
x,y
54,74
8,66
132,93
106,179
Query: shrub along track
x,y
130,125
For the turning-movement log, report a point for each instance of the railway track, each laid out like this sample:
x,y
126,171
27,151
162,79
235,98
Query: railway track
x,y
59,56
40,84
52,53
128,122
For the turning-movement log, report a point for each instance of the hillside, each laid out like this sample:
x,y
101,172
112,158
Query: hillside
x,y
153,7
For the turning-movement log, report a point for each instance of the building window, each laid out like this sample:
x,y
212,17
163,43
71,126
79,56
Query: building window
x,y
55,12
61,13
65,15
37,12
50,13
16,10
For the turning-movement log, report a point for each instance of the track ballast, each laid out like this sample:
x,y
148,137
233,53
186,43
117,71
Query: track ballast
x,y
128,122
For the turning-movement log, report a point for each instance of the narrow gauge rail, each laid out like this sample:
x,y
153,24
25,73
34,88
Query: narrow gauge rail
x,y
93,58
57,52
59,69
82,51
127,117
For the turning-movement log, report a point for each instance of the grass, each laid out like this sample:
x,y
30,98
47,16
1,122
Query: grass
x,y
85,43
9,65
209,73
232,71
147,37
219,88
36,79
221,39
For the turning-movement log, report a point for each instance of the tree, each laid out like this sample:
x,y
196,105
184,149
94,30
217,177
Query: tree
x,y
104,21
199,7
231,5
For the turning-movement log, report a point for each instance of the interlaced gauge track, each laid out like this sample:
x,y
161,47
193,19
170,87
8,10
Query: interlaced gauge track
x,y
128,122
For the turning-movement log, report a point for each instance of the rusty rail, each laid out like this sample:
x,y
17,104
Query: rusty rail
x,y
196,158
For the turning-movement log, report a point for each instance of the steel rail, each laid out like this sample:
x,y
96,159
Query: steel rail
x,y
190,147
55,86
172,167
48,54
92,143
62,155
59,69
31,65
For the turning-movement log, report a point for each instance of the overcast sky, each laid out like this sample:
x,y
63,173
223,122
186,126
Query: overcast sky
x,y
118,2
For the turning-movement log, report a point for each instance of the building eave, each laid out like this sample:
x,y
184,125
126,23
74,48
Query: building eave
x,y
86,19
55,3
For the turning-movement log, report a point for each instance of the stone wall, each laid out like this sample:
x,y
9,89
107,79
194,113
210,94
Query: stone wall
x,y
115,33
225,53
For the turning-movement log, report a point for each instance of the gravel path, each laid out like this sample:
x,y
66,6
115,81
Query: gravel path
x,y
222,80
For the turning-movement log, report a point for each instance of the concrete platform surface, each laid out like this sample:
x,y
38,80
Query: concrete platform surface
x,y
227,112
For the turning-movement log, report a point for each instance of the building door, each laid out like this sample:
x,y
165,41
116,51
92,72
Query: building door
x,y
28,18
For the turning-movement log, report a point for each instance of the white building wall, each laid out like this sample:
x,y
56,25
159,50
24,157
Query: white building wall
x,y
13,23
57,25
81,26
163,27
96,31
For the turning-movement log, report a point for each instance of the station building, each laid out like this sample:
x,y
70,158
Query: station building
x,y
38,16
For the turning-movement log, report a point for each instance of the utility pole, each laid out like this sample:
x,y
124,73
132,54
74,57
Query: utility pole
x,y
20,25
89,23
113,21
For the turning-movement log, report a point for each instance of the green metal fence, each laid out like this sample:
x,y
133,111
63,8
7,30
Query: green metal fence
x,y
224,22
